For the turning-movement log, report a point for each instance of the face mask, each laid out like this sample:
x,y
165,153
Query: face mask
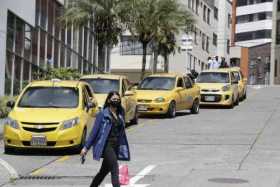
x,y
115,104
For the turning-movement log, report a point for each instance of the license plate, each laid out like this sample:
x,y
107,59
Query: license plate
x,y
142,108
38,141
209,98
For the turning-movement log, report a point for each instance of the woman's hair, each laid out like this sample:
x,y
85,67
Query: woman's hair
x,y
107,101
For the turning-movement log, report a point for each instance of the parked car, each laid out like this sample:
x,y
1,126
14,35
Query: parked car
x,y
167,94
50,114
102,84
218,87
242,83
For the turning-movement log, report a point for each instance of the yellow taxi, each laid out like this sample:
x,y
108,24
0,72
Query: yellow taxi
x,y
50,114
102,84
218,87
242,82
167,93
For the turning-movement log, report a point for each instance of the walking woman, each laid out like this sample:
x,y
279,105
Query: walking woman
x,y
109,140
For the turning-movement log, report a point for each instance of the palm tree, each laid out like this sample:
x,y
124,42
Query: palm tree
x,y
104,14
175,19
141,19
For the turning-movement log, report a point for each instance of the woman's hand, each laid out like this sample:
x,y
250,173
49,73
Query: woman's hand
x,y
84,152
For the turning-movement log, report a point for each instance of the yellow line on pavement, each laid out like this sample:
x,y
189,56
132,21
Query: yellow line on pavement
x,y
64,158
38,171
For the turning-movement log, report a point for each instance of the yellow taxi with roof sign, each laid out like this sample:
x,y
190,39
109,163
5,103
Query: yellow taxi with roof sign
x,y
50,114
166,94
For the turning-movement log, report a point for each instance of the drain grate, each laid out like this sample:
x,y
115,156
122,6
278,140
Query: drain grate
x,y
228,180
30,177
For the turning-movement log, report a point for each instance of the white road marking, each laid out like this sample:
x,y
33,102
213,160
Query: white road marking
x,y
13,173
138,177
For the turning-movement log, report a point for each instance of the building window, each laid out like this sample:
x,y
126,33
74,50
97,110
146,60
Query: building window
x,y
276,68
250,2
204,13
216,13
195,35
196,7
229,20
228,46
278,32
130,46
203,41
278,5
254,17
207,44
215,39
261,34
208,16
189,4
193,5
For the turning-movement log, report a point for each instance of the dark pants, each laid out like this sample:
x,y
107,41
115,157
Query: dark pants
x,y
109,164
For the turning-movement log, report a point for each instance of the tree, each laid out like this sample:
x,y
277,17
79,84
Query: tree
x,y
104,16
175,19
156,22
141,19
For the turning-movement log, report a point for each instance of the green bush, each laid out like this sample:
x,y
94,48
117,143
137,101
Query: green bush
x,y
57,73
4,110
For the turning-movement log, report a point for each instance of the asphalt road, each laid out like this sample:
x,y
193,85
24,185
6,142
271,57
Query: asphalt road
x,y
237,147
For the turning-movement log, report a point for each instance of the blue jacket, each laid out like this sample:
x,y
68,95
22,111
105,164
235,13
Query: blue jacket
x,y
100,133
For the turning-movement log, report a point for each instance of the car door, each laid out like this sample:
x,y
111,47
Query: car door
x,y
240,83
180,95
234,86
92,99
190,92
87,112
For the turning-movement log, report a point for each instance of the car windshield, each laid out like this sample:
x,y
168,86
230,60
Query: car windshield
x,y
157,83
50,97
213,77
103,86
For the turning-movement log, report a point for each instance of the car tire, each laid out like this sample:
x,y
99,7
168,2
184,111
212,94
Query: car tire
x,y
9,150
237,101
171,113
231,106
195,107
245,96
134,121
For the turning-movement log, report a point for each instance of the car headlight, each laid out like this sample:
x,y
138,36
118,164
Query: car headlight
x,y
226,88
12,123
159,99
70,123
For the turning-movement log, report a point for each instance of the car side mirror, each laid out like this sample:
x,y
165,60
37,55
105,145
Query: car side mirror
x,y
10,104
91,105
128,93
235,82
245,79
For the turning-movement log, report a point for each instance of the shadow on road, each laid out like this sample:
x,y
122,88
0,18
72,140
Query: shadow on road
x,y
42,152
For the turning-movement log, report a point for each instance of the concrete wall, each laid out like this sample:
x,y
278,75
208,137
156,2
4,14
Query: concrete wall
x,y
23,9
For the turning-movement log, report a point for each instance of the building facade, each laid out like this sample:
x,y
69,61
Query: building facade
x,y
253,22
210,35
252,28
33,39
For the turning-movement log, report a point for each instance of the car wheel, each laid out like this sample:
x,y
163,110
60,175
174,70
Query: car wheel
x,y
231,106
237,101
8,150
195,107
134,121
171,113
245,96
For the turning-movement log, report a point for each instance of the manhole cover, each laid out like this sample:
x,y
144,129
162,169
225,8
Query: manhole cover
x,y
228,180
